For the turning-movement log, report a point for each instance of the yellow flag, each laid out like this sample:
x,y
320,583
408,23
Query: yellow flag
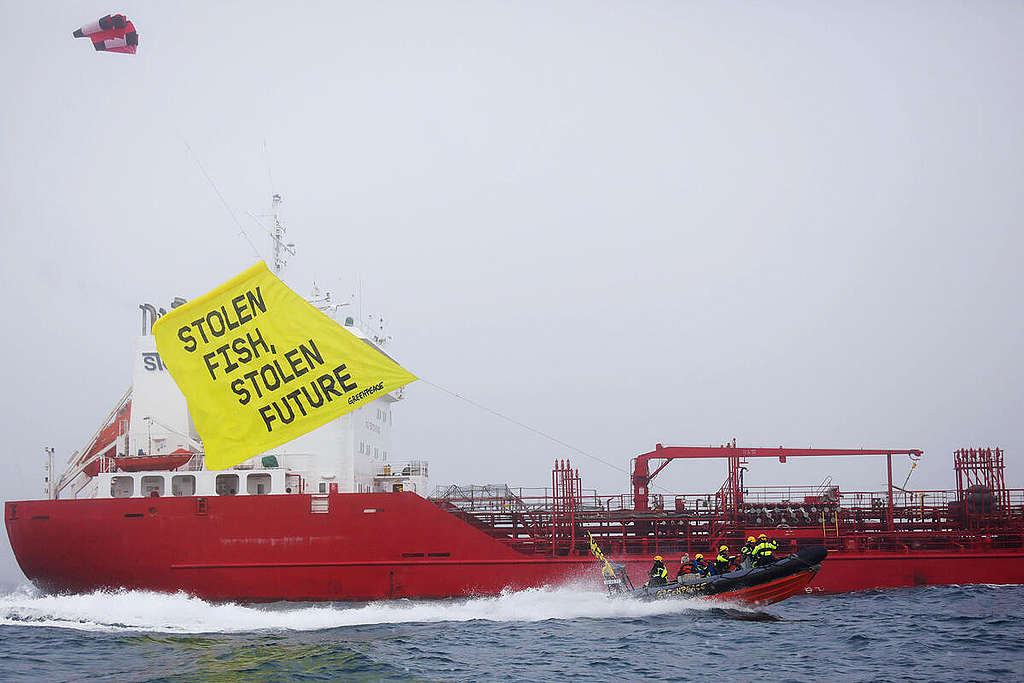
x,y
259,366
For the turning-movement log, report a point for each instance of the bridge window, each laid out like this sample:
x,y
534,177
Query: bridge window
x,y
227,484
183,485
258,484
122,487
152,486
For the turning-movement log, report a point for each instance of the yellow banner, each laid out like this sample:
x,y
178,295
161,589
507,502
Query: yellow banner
x,y
259,366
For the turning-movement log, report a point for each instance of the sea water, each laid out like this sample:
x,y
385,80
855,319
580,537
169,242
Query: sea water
x,y
929,633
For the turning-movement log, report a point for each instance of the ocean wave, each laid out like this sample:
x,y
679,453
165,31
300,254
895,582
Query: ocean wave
x,y
180,613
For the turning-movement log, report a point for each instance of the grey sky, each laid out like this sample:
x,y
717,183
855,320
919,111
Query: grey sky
x,y
618,222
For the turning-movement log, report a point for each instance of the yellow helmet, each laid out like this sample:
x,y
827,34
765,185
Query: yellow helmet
x,y
722,547
657,558
763,536
698,556
750,539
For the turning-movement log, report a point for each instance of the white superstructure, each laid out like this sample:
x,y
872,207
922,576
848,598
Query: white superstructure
x,y
351,454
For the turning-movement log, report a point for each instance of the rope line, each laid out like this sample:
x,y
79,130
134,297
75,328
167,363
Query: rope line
x,y
223,201
527,427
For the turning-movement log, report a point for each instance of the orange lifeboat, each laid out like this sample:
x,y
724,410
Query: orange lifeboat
x,y
140,463
104,441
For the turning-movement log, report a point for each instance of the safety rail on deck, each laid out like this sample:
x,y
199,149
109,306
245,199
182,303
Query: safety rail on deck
x,y
783,495
497,496
500,498
412,468
924,519
196,464
479,497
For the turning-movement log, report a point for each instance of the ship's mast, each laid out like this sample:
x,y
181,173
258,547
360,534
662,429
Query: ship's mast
x,y
49,473
281,249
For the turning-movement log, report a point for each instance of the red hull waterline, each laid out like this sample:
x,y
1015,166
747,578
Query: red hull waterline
x,y
365,547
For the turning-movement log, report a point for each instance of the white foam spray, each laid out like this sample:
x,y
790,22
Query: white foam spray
x,y
178,613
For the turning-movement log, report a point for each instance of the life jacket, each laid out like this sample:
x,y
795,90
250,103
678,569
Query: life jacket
x,y
765,550
700,568
721,563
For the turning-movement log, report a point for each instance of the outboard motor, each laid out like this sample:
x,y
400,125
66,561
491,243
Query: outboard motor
x,y
617,581
615,576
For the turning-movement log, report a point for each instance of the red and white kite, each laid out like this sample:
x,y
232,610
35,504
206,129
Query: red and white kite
x,y
112,33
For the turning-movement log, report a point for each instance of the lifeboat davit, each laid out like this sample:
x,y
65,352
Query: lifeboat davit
x,y
95,467
141,463
105,441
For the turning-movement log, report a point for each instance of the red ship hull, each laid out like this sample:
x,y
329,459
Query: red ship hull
x,y
849,571
366,547
262,548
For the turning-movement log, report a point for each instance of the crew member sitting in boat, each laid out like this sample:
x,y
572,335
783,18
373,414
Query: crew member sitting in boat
x,y
723,560
764,551
699,566
658,574
747,553
685,566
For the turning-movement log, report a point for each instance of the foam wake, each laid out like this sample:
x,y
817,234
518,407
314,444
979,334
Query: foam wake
x,y
179,613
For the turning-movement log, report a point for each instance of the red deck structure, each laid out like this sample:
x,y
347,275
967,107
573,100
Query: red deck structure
x,y
876,539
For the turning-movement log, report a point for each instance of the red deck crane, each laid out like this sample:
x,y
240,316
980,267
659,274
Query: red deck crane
x,y
733,493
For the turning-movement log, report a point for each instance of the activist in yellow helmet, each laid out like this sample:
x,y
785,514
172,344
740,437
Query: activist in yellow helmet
x,y
658,575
